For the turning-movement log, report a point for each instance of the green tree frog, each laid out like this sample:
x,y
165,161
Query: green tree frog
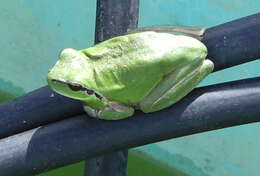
x,y
147,70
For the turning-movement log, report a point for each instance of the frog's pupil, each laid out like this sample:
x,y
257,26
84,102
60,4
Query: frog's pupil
x,y
75,87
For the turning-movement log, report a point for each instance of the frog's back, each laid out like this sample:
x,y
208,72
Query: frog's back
x,y
127,68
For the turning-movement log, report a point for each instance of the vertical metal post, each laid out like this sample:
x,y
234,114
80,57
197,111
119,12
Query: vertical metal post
x,y
113,18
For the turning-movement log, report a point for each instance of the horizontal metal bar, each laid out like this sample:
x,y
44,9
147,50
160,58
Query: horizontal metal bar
x,y
68,141
234,43
34,109
229,44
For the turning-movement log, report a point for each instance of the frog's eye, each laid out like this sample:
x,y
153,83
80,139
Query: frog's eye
x,y
75,87
78,87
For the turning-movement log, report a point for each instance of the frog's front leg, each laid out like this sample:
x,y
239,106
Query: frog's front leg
x,y
175,86
114,111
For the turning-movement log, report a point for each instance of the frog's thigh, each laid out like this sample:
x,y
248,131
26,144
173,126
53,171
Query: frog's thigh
x,y
114,111
175,86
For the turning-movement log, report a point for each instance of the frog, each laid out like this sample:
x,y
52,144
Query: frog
x,y
147,70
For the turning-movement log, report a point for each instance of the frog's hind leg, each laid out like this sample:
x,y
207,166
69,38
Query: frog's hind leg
x,y
175,86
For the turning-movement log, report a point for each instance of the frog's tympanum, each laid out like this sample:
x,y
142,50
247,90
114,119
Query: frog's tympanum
x,y
147,70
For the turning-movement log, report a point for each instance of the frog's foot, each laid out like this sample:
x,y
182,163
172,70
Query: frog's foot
x,y
114,111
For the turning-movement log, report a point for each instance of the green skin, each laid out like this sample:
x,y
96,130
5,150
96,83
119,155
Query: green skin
x,y
147,70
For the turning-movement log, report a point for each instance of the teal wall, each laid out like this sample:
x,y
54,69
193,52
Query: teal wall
x,y
33,32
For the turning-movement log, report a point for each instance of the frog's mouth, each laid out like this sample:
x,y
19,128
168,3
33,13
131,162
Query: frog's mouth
x,y
77,87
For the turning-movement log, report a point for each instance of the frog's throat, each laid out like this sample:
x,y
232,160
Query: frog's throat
x,y
78,87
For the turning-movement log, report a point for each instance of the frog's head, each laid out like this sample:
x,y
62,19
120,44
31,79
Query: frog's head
x,y
66,78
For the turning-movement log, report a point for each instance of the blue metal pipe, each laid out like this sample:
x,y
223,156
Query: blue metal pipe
x,y
75,139
234,43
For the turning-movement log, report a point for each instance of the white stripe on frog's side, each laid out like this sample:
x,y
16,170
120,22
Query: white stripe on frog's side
x,y
78,87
